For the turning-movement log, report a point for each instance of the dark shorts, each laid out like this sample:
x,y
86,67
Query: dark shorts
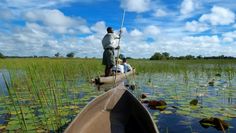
x,y
108,58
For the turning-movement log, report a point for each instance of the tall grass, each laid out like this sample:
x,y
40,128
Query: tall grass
x,y
45,94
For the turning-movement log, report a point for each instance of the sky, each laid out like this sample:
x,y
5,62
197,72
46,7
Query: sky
x,y
179,27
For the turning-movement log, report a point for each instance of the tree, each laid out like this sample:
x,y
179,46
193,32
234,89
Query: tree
x,y
221,57
199,57
166,55
57,54
159,56
70,55
189,57
1,55
156,56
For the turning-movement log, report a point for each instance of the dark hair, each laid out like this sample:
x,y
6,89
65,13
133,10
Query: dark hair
x,y
109,29
124,59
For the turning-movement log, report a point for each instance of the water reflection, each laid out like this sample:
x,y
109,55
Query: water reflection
x,y
217,99
4,74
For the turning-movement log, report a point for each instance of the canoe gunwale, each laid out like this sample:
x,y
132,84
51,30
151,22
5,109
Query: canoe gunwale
x,y
110,79
103,107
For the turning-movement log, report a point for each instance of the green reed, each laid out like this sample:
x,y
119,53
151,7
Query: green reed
x,y
46,90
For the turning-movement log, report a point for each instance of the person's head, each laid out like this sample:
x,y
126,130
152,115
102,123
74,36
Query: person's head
x,y
124,60
119,61
109,30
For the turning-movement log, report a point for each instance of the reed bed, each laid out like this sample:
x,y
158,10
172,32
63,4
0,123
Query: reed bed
x,y
44,95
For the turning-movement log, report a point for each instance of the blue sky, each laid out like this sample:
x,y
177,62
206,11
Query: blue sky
x,y
180,27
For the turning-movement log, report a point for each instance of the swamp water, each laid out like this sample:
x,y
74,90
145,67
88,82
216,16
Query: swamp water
x,y
51,105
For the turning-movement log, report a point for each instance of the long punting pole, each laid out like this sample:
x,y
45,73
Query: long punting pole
x,y
118,52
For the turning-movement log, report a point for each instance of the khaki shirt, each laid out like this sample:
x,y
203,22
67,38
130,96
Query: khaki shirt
x,y
108,41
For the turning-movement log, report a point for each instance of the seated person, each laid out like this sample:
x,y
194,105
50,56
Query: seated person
x,y
119,69
127,66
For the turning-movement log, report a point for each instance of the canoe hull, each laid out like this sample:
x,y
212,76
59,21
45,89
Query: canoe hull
x,y
116,111
111,79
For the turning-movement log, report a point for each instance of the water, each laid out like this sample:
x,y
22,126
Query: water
x,y
3,87
177,90
214,101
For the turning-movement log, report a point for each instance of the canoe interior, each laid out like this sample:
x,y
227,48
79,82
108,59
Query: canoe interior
x,y
129,116
116,111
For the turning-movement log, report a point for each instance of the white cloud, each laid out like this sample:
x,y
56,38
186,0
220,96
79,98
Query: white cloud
x,y
195,26
37,4
188,6
160,13
136,33
152,30
50,17
48,30
136,5
229,36
228,39
206,40
99,27
219,16
57,21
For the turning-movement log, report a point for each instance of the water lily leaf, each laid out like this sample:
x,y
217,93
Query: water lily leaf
x,y
156,113
208,124
2,127
166,112
182,112
13,125
186,123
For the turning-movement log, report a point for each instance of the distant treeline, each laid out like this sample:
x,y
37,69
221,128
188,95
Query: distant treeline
x,y
155,56
57,55
166,56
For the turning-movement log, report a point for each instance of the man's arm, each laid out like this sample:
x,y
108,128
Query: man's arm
x,y
118,36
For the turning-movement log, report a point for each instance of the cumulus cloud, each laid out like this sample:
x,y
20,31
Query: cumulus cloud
x,y
28,40
188,6
99,27
57,21
195,26
219,16
151,30
136,5
203,40
160,13
136,33
35,4
197,45
47,30
229,36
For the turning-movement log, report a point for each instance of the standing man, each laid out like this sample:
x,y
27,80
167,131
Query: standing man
x,y
109,45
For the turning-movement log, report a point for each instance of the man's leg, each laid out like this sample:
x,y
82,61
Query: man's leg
x,y
108,71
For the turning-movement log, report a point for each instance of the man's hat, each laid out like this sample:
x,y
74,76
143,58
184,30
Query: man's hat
x,y
109,29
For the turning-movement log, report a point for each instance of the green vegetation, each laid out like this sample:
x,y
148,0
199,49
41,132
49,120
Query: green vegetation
x,y
166,56
1,55
70,55
57,54
43,95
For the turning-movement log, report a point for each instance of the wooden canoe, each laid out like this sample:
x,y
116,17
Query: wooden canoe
x,y
116,111
110,79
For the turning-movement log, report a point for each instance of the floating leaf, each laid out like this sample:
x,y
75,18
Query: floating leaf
x,y
166,112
